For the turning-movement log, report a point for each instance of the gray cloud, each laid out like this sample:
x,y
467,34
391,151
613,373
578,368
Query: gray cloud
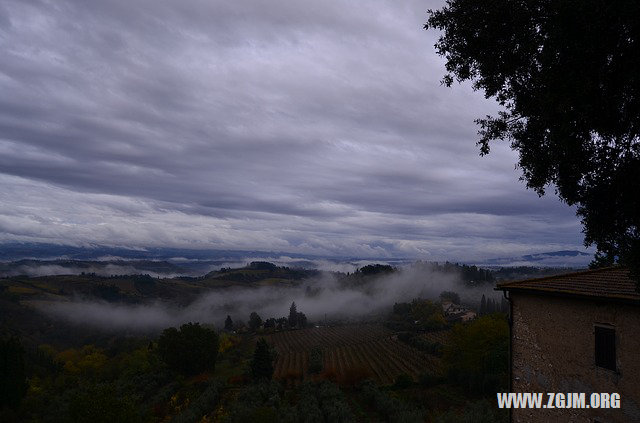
x,y
314,128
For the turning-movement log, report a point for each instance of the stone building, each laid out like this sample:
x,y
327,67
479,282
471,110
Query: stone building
x,y
456,312
573,333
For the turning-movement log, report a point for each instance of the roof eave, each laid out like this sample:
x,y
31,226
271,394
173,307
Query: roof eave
x,y
556,293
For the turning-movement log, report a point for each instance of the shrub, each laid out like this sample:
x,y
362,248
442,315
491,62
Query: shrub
x,y
315,360
329,374
101,403
392,409
354,375
203,405
403,381
258,402
428,380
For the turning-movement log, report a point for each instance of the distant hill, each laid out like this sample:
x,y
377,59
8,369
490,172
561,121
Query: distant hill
x,y
191,261
201,261
565,258
12,251
31,267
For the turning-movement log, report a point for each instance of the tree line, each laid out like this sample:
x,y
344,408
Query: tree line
x,y
295,320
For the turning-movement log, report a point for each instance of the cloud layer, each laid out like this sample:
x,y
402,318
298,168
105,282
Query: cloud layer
x,y
318,128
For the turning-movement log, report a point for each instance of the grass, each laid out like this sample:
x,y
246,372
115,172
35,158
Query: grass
x,y
22,290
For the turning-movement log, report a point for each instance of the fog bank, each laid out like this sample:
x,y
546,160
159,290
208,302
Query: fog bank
x,y
316,297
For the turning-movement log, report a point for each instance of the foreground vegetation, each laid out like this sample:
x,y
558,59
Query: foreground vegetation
x,y
412,364
227,378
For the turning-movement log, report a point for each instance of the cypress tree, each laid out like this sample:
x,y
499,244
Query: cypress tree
x,y
228,324
262,362
293,315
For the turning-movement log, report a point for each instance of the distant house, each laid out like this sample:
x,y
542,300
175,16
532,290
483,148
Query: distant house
x,y
578,332
456,312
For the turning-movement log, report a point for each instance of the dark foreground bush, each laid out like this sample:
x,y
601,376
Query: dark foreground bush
x,y
190,350
103,404
389,407
205,404
477,356
321,402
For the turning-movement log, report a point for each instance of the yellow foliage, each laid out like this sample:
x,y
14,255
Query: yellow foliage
x,y
227,341
137,359
70,367
35,385
224,343
93,361
22,290
87,359
67,355
48,350
178,404
220,414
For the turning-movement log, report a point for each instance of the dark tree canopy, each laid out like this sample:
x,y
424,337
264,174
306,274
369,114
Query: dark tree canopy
x,y
190,350
374,269
13,379
255,321
103,404
262,265
567,75
301,320
477,354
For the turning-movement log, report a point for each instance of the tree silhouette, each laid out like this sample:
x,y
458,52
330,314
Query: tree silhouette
x,y
293,315
270,323
255,321
190,350
566,76
228,324
262,361
302,320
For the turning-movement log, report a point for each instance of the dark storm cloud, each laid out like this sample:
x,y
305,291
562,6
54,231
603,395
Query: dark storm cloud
x,y
294,126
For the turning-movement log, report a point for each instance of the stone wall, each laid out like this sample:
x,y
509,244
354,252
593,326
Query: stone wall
x,y
553,350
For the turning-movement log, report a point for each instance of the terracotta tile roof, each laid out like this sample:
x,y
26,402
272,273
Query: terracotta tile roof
x,y
609,282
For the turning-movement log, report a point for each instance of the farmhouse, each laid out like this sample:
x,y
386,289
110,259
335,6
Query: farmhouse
x,y
577,332
456,312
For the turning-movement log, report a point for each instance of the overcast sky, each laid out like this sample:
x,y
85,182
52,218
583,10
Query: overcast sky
x,y
309,127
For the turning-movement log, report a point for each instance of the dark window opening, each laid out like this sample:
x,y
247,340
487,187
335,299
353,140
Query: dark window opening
x,y
605,347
